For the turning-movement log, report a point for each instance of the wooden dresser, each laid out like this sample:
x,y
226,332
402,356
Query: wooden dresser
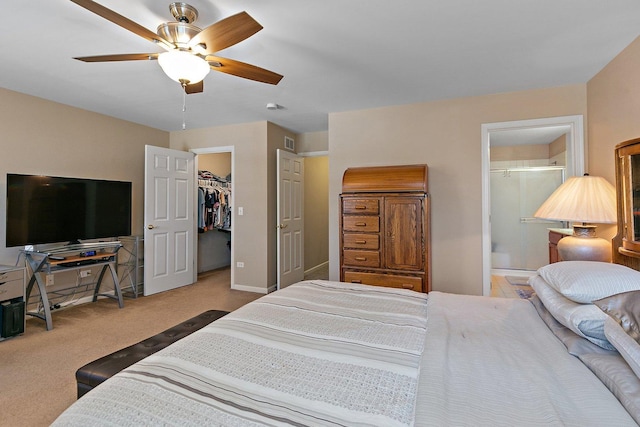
x,y
384,227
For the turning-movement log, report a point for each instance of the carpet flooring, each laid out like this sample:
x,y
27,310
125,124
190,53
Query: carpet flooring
x,y
37,369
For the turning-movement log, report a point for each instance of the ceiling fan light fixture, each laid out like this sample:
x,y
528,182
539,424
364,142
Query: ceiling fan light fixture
x,y
183,66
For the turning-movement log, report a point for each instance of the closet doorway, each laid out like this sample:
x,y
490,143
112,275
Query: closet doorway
x,y
214,187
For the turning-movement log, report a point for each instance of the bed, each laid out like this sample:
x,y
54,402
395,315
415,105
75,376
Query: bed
x,y
341,354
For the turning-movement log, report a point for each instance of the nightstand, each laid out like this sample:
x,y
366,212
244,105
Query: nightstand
x,y
555,234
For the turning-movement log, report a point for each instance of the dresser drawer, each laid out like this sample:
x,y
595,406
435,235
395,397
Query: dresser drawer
x,y
361,258
361,206
8,276
388,280
361,223
361,241
12,289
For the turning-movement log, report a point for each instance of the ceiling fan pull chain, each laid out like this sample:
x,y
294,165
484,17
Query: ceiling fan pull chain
x,y
184,106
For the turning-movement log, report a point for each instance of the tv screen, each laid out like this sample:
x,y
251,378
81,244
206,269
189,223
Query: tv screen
x,y
46,209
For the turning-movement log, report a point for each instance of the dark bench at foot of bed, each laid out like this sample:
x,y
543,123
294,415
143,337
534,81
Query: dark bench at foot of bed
x,y
96,372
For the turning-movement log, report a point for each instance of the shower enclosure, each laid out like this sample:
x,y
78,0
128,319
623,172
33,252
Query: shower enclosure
x,y
518,240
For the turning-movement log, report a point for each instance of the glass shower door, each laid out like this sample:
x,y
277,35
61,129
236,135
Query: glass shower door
x,y
518,240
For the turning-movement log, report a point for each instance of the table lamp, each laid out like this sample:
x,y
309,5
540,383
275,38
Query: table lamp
x,y
584,199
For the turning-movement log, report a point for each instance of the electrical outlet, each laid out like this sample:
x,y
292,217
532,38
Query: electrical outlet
x,y
49,280
85,273
240,264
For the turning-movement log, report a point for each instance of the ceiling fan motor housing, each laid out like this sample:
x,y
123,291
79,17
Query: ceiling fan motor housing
x,y
180,32
183,12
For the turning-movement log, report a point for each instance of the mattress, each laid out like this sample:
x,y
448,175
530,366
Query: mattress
x,y
315,353
494,362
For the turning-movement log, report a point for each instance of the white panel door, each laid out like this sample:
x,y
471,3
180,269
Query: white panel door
x,y
290,218
169,219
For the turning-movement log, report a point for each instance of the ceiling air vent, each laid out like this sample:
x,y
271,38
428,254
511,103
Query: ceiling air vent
x,y
289,143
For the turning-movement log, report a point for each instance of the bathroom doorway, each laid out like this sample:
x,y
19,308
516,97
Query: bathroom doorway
x,y
517,147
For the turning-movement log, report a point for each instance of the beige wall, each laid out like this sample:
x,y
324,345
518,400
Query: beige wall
x,y
558,150
520,152
218,163
613,108
254,169
446,135
312,142
44,137
249,169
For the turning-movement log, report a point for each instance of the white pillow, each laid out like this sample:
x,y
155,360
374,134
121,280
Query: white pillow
x,y
626,346
585,281
586,320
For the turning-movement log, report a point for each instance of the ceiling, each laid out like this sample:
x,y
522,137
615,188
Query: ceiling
x,y
335,55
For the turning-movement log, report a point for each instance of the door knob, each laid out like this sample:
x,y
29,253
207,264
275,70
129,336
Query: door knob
x,y
150,226
282,226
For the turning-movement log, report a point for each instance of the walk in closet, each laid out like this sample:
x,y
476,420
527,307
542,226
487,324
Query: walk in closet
x,y
214,211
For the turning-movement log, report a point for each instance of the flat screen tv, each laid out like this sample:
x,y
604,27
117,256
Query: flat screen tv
x,y
48,209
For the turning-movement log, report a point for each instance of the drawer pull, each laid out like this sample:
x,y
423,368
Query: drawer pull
x,y
359,242
407,286
356,281
361,224
360,207
360,258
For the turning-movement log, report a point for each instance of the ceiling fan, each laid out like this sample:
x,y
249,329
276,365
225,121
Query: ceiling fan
x,y
189,49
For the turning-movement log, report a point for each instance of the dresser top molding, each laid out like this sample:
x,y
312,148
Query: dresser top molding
x,y
386,179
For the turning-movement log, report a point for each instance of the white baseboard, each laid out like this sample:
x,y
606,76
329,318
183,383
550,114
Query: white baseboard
x,y
517,273
317,267
252,289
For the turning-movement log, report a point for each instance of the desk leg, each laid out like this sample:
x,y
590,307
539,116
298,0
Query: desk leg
x,y
116,285
36,278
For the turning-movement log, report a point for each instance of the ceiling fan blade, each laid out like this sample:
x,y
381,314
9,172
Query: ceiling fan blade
x,y
225,33
120,57
243,70
194,88
125,23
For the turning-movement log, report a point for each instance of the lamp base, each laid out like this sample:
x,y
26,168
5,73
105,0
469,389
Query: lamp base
x,y
584,245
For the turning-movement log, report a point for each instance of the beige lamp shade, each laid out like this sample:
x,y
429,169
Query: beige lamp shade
x,y
584,199
581,199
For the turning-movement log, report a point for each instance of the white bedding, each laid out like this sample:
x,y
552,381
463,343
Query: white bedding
x,y
493,362
328,353
315,353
